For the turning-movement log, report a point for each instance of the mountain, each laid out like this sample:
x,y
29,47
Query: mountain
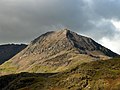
x,y
56,51
7,51
62,60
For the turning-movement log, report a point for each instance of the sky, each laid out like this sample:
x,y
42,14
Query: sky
x,y
23,20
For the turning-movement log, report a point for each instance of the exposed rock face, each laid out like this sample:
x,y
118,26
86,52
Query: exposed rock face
x,y
9,50
87,45
57,51
55,42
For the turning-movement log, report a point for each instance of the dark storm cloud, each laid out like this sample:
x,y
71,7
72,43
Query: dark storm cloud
x,y
99,14
23,20
107,8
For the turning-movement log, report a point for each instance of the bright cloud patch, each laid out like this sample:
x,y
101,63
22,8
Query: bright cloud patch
x,y
114,44
116,24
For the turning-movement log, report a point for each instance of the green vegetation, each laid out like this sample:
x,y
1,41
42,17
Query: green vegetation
x,y
7,68
96,75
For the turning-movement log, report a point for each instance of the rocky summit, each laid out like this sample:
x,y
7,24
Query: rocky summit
x,y
56,51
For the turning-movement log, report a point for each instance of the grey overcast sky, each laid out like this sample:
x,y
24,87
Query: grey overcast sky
x,y
23,20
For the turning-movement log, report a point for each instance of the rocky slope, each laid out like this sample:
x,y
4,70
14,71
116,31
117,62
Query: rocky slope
x,y
7,51
56,51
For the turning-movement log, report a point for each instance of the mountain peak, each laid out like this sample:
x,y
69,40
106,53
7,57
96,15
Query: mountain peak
x,y
67,39
65,30
52,34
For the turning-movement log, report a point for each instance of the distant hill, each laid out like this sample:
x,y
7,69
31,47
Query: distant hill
x,y
7,51
56,51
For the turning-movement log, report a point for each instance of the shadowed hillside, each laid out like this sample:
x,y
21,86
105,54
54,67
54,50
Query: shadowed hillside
x,y
9,50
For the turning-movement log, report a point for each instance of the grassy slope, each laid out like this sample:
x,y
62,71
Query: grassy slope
x,y
97,75
56,63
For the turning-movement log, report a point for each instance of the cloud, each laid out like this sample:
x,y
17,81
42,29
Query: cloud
x,y
111,44
23,20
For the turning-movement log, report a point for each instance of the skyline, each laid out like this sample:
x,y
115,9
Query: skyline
x,y
23,20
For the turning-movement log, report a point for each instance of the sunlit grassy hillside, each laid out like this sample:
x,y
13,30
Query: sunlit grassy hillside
x,y
96,75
